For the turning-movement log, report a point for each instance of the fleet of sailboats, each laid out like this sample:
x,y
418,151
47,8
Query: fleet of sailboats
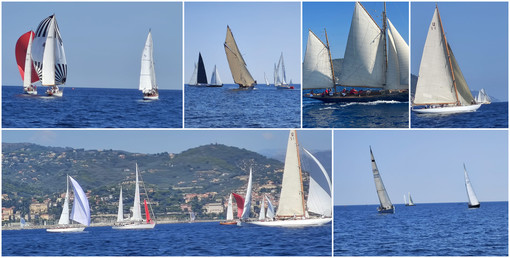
x,y
280,79
237,65
25,65
148,84
441,86
374,58
482,97
409,201
472,200
80,212
385,203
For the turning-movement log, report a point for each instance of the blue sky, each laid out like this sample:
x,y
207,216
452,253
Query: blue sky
x,y
427,163
262,30
478,35
173,141
336,18
103,41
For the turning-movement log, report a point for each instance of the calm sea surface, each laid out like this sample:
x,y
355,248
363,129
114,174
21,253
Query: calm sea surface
x,y
449,229
230,107
376,114
493,115
185,239
90,108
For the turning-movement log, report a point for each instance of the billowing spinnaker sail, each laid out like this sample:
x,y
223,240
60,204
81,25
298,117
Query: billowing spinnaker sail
x,y
384,199
317,72
364,60
193,80
147,74
473,201
464,94
22,50
239,203
230,211
435,83
403,55
393,71
120,211
319,192
292,197
48,53
215,77
201,75
247,199
81,207
64,216
137,212
236,62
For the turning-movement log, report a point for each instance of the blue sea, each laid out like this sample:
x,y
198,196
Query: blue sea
x,y
90,108
376,114
231,107
493,115
184,239
447,229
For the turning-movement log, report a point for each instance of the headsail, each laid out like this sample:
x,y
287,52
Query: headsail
x,y
236,62
215,77
262,213
317,73
473,201
81,207
201,75
384,199
137,212
402,51
120,212
247,199
319,192
230,211
147,73
194,78
270,209
64,216
239,203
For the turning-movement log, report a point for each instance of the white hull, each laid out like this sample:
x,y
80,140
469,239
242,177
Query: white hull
x,y
58,93
64,230
448,110
293,223
31,92
135,226
151,97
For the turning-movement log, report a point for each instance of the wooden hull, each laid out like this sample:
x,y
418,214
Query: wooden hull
x,y
338,97
65,230
293,223
228,223
447,110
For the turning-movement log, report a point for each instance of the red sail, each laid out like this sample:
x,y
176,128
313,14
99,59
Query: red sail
x,y
240,204
21,52
147,214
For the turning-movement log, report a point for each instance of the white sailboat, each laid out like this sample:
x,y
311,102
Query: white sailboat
x,y
136,221
247,201
385,204
482,97
281,77
441,86
230,214
472,200
49,57
148,84
270,210
194,77
265,79
236,63
262,213
24,60
291,210
215,79
410,202
80,212
374,58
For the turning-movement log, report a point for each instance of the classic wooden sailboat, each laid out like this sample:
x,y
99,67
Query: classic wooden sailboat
x,y
280,76
237,65
482,97
215,79
410,201
291,209
385,204
148,84
230,211
472,200
25,65
49,57
136,221
441,86
80,212
370,61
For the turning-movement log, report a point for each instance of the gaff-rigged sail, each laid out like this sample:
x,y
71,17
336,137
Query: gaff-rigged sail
x,y
384,199
236,62
317,68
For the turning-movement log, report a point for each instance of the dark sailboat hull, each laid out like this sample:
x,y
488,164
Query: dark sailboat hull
x,y
473,206
383,210
380,96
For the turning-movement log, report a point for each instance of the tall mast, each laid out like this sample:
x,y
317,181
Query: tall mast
x,y
331,62
300,174
449,57
384,36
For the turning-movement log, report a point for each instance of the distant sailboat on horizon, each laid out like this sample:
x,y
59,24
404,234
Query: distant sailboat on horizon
x,y
385,204
215,79
472,200
280,75
408,202
482,97
237,65
199,77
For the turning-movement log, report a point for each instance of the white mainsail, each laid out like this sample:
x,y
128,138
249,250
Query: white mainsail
x,y
236,62
402,51
215,77
270,209
230,211
194,76
317,68
411,203
319,195
281,78
120,212
384,199
147,73
137,212
64,216
262,213
483,97
27,80
473,201
292,203
81,207
247,199
265,79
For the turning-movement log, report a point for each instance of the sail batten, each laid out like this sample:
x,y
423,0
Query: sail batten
x,y
237,65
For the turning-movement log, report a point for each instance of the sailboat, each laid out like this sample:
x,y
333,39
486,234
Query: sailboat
x,y
236,63
215,79
199,77
148,84
280,76
441,87
192,216
270,209
385,203
265,79
247,201
410,202
472,200
80,212
194,77
230,211
291,209
375,58
262,213
49,57
136,221
482,97
25,65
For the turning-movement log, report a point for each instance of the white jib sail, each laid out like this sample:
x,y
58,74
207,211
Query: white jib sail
x,y
247,199
81,207
403,55
317,72
194,76
64,216
137,212
384,199
27,80
215,77
393,70
470,192
410,200
230,211
364,61
147,74
265,79
120,212
292,197
319,195
270,209
262,213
